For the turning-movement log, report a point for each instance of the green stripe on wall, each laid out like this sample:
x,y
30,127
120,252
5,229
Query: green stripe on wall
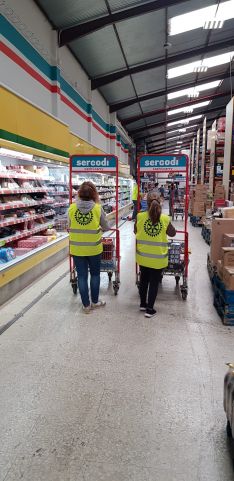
x,y
31,143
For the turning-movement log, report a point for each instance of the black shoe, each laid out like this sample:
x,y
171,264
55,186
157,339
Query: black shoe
x,y
143,308
150,313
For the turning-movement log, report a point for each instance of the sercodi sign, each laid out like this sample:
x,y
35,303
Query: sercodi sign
x,y
90,162
162,162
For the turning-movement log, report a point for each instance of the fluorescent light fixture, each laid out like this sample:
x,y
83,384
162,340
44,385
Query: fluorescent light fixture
x,y
172,131
188,109
207,62
196,89
179,142
193,94
197,18
15,154
200,68
184,121
214,24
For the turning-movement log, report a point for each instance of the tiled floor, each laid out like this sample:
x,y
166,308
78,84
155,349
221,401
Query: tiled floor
x,y
114,396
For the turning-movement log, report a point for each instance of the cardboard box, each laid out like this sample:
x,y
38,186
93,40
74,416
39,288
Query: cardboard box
x,y
232,197
219,228
199,205
197,213
228,240
228,212
228,278
227,256
220,269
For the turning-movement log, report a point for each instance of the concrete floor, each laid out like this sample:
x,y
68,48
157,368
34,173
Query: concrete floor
x,y
114,396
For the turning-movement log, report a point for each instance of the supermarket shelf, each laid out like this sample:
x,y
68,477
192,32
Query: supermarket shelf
x,y
25,233
20,220
59,193
24,191
16,175
121,210
58,183
20,205
60,204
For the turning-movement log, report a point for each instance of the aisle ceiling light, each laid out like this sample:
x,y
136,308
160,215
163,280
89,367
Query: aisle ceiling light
x,y
189,109
196,89
15,154
201,17
184,121
214,24
208,62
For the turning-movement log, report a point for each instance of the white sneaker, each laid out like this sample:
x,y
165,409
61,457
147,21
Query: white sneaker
x,y
87,309
94,305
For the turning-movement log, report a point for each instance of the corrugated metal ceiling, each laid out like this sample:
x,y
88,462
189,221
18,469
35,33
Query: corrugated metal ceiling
x,y
133,42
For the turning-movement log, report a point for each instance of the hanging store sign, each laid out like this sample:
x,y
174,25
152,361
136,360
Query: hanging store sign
x,y
94,163
163,163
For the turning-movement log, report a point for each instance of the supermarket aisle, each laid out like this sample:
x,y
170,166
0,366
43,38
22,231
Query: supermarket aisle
x,y
114,396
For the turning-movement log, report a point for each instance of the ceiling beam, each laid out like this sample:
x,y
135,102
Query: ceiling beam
x,y
175,119
165,150
170,141
189,103
197,122
67,35
167,139
160,93
102,80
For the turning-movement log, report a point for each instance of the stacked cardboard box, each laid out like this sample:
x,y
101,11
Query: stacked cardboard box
x,y
219,192
198,201
228,213
222,250
225,267
220,229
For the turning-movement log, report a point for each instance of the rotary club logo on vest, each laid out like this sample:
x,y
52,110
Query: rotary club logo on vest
x,y
83,219
152,230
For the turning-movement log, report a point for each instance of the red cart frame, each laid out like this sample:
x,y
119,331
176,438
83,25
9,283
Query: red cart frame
x,y
170,164
99,164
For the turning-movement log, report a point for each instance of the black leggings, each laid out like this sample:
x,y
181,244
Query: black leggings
x,y
149,281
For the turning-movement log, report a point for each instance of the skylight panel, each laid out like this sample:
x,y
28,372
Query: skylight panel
x,y
197,88
201,18
184,121
188,109
208,62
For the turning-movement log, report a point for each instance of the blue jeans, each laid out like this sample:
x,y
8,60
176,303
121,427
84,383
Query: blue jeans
x,y
83,265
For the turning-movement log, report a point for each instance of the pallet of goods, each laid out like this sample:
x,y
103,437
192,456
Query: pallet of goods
x,y
198,201
221,267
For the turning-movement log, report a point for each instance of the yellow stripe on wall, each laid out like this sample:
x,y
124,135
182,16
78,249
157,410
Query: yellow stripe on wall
x,y
24,119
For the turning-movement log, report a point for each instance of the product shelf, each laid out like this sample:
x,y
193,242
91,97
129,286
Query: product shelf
x,y
16,175
25,233
61,204
24,191
59,193
13,220
20,205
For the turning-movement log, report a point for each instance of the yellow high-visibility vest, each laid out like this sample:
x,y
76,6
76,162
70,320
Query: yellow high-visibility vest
x,y
135,192
152,241
85,231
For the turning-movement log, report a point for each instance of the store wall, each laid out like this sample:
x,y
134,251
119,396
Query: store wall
x,y
33,67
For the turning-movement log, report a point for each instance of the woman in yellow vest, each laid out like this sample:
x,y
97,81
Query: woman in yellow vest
x,y
87,221
151,229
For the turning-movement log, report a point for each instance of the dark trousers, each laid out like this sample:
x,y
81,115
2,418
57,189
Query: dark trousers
x,y
83,266
134,214
149,281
